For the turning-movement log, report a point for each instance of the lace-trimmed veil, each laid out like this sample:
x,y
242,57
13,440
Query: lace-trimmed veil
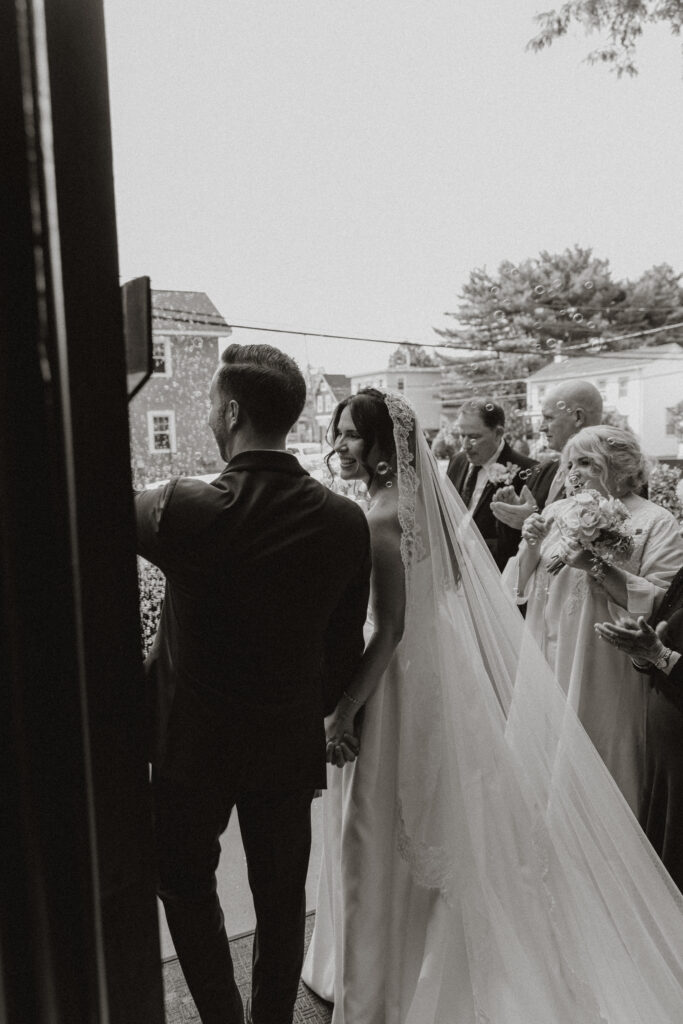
x,y
503,805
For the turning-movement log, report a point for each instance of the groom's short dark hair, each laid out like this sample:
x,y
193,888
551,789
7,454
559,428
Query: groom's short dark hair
x,y
267,384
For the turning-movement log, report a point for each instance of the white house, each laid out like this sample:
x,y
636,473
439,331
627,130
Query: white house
x,y
644,385
420,385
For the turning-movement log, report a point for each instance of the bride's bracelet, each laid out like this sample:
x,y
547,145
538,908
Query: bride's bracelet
x,y
353,700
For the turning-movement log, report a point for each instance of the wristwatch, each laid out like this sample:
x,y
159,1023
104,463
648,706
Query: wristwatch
x,y
663,659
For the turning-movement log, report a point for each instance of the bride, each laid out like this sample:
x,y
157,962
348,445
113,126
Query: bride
x,y
480,865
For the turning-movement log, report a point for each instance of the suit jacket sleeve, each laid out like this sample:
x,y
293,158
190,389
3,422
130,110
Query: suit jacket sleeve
x,y
671,685
344,642
508,539
150,507
172,524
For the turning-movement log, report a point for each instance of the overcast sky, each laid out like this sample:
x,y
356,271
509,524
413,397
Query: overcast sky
x,y
341,165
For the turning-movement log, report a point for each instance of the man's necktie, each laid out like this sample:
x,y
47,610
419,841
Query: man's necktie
x,y
469,485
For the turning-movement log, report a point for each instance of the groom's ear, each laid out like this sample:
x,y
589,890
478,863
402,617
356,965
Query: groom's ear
x,y
233,417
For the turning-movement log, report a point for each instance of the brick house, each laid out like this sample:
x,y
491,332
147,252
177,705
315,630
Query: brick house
x,y
169,432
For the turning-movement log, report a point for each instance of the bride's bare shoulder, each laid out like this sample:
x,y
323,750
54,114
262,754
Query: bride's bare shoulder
x,y
385,529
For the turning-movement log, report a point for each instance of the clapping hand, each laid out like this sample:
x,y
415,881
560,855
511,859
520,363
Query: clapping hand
x,y
637,639
511,508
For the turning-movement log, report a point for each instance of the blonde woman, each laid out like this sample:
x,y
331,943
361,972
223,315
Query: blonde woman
x,y
607,693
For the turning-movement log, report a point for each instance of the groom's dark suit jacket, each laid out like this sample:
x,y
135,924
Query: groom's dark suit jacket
x,y
267,580
502,540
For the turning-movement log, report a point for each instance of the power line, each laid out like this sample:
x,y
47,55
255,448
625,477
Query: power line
x,y
587,348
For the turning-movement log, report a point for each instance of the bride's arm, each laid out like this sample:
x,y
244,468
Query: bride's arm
x,y
388,612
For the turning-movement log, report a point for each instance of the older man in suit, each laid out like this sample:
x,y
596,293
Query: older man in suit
x,y
267,589
485,462
566,409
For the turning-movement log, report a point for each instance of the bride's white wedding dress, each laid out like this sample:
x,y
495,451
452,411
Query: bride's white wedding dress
x,y
480,866
384,949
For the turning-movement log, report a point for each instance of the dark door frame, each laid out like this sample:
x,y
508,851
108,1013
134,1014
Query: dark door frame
x,y
78,927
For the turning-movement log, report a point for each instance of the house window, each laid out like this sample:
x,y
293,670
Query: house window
x,y
320,403
674,420
161,431
623,387
602,387
400,383
161,357
329,403
541,392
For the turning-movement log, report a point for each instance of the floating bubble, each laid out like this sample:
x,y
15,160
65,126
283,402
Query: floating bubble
x,y
551,342
557,283
578,317
489,406
591,325
561,404
383,468
563,312
494,289
523,474
588,285
539,289
499,314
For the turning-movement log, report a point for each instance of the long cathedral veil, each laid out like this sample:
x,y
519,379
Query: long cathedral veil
x,y
503,804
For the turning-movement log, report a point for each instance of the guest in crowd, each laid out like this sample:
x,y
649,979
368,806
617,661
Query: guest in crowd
x,y
567,591
656,647
486,461
521,445
568,408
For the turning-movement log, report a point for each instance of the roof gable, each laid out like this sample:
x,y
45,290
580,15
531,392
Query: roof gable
x,y
591,366
339,384
186,313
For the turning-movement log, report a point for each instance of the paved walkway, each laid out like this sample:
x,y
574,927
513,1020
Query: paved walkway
x,y
233,887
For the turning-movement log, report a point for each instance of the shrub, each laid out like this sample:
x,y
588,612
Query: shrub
x,y
662,486
151,584
445,444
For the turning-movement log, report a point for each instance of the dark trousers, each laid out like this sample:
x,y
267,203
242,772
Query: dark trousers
x,y
276,833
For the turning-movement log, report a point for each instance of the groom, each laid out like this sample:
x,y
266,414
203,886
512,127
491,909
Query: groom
x,y
262,627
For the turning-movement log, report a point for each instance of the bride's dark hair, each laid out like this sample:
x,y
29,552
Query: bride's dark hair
x,y
372,421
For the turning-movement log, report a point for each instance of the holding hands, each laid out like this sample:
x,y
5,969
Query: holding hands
x,y
343,743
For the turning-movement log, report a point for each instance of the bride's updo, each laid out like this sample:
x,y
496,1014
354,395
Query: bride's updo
x,y
372,421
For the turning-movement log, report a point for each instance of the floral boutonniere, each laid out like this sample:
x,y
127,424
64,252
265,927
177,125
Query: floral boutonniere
x,y
502,475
